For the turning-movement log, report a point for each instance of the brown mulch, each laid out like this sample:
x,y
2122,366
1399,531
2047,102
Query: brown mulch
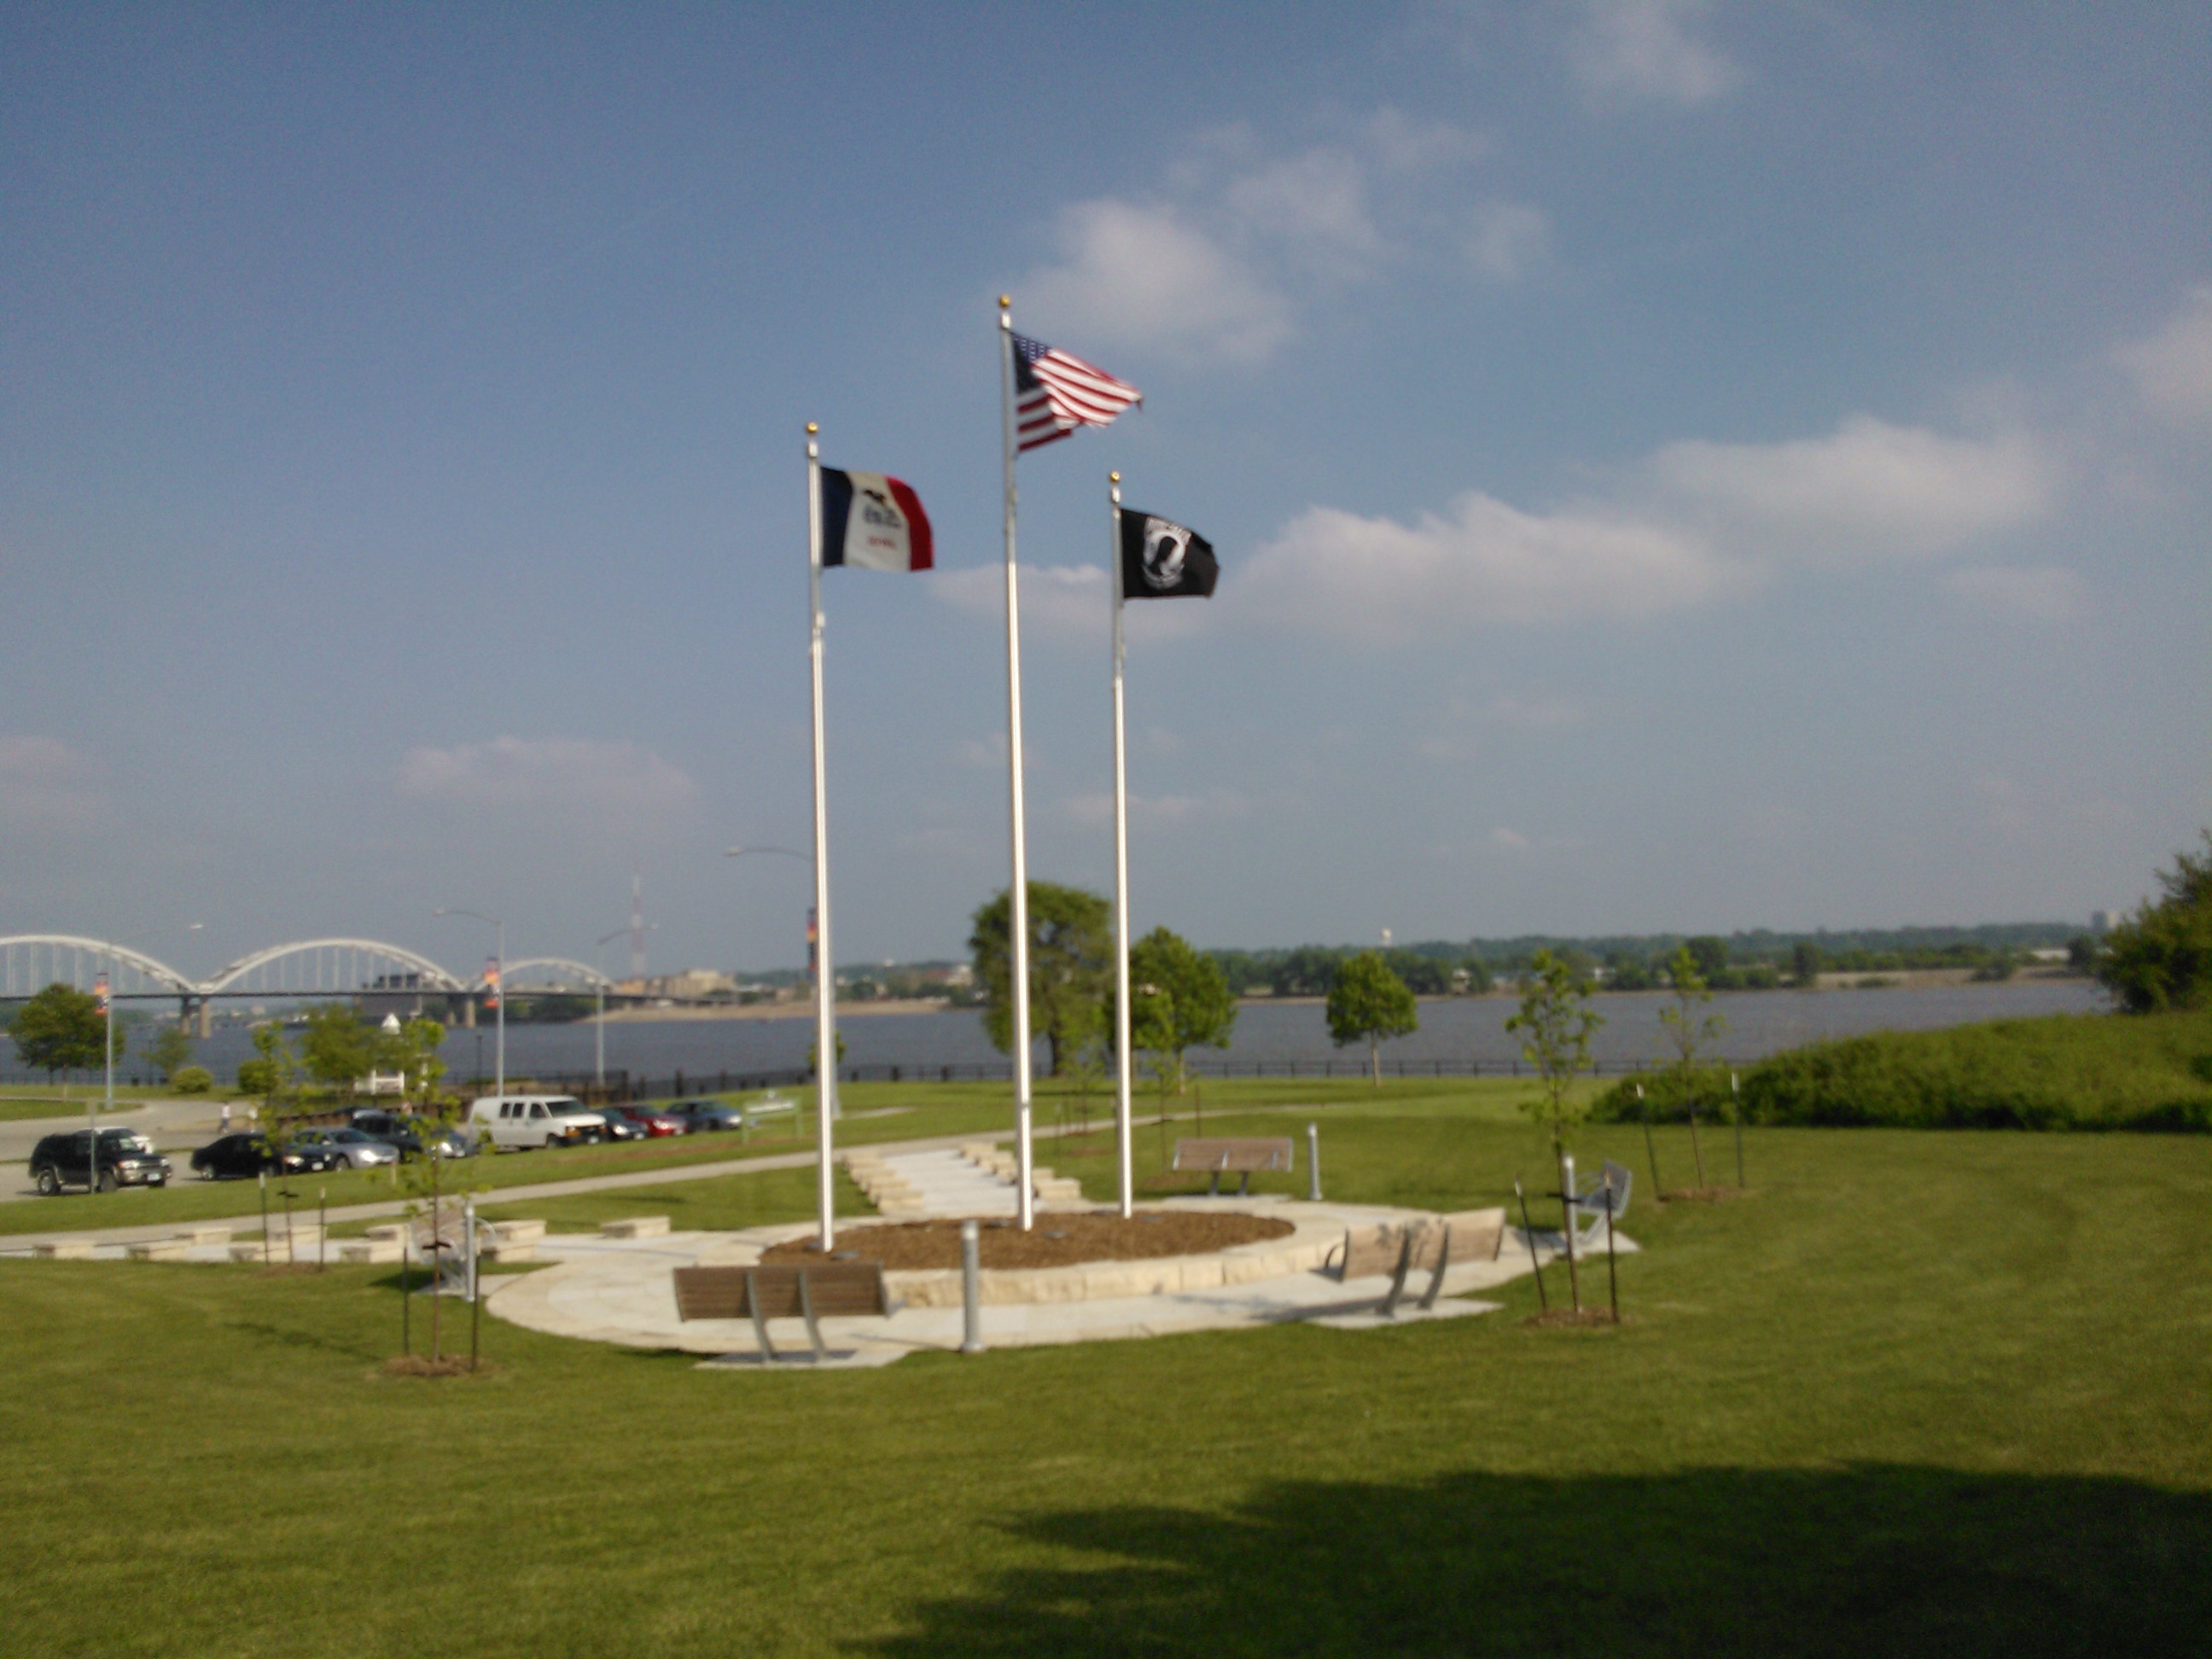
x,y
1059,1239
1568,1318
421,1364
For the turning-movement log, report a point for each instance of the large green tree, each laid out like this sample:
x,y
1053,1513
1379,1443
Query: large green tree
x,y
169,1051
62,1030
1370,1002
1178,1001
2162,957
338,1047
1071,968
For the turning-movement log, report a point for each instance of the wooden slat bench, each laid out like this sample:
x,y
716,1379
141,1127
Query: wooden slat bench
x,y
811,1290
1401,1249
1225,1156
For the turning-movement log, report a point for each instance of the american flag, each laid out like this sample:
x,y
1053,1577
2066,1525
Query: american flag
x,y
1054,393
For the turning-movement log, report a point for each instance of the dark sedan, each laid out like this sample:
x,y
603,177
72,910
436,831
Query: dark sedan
x,y
249,1154
705,1116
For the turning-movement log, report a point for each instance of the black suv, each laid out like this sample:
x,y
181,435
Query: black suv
x,y
125,1159
249,1154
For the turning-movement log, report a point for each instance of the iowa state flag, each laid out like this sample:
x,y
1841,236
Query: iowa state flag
x,y
874,522
1163,560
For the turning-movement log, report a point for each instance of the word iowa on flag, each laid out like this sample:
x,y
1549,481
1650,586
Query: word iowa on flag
x,y
873,522
1055,393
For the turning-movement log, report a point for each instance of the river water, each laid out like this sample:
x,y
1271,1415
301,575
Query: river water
x,y
1453,1030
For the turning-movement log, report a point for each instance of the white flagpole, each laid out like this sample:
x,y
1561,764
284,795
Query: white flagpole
x,y
825,975
1123,1061
1018,917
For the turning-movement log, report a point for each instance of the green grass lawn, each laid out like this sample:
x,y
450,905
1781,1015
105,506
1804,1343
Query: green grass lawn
x,y
1917,1393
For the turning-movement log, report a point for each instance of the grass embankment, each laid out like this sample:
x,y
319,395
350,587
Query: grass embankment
x,y
2061,1072
1915,1393
874,1113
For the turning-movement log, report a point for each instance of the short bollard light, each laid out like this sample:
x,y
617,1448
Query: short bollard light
x,y
971,1286
1313,1163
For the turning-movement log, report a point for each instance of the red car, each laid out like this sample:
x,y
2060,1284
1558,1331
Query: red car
x,y
655,1123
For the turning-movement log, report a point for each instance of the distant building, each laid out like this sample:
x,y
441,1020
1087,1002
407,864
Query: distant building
x,y
2102,921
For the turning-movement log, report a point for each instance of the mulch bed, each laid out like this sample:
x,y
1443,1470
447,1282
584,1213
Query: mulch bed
x,y
421,1364
1569,1319
1059,1239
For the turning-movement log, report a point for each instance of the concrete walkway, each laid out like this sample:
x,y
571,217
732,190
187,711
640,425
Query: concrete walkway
x,y
622,1292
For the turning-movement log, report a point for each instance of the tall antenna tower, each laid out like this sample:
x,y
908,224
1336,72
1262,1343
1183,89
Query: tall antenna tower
x,y
637,921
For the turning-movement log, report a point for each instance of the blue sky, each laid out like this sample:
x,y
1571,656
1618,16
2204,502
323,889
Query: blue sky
x,y
1674,466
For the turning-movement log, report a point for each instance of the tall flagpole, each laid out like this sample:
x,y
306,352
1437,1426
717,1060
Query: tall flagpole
x,y
825,975
1018,895
1122,1059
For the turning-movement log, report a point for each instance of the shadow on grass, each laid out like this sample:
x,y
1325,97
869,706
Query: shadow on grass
x,y
1871,1559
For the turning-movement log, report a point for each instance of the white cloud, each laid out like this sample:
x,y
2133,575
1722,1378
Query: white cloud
x,y
1506,239
1648,49
1221,260
46,784
1869,491
1694,523
616,782
2173,369
1066,603
1512,840
1155,811
1138,275
1377,578
2041,594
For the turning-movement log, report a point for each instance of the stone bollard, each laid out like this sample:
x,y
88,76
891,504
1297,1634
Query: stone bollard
x,y
971,1286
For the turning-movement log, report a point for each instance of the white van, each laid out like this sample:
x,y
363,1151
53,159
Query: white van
x,y
521,1121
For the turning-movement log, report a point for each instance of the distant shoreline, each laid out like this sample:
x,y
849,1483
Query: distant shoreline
x,y
1901,979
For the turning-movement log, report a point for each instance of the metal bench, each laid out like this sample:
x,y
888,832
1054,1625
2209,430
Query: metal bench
x,y
1608,1196
1220,1156
1402,1248
812,1290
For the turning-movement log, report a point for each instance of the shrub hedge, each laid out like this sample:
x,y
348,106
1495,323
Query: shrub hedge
x,y
2149,1072
191,1079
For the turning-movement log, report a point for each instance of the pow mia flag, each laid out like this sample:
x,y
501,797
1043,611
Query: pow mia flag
x,y
1163,560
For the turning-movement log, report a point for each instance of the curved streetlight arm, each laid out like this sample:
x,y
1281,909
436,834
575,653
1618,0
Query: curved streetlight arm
x,y
781,852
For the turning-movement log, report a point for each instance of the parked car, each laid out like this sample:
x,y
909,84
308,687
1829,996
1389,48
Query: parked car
x,y
249,1154
124,1158
706,1116
648,1119
534,1121
401,1133
356,1149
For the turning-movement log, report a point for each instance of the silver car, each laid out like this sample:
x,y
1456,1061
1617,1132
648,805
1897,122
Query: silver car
x,y
359,1151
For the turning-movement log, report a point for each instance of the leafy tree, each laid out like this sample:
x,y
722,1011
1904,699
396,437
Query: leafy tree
x,y
1805,965
1554,1024
2081,953
1711,952
170,1051
1368,1000
191,1079
1178,1001
1070,952
271,1075
1477,980
1628,970
1688,1032
418,1043
337,1047
62,1030
814,1052
2162,957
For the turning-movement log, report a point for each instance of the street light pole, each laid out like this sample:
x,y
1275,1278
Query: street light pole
x,y
499,1006
109,980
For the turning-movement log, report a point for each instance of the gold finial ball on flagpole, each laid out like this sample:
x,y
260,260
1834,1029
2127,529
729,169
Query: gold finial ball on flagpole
x,y
1113,478
1006,300
812,428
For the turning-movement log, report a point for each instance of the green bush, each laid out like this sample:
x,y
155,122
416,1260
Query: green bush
x,y
1665,1100
191,1079
2064,1072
